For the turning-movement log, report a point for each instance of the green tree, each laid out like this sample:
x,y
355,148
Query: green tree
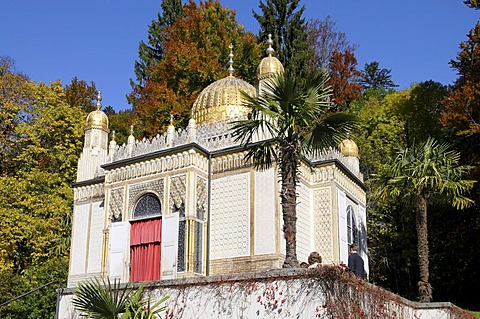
x,y
295,112
39,304
15,98
381,131
151,53
120,123
36,196
422,111
373,77
422,172
284,20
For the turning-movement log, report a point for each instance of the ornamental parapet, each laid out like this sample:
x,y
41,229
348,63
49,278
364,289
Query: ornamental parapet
x,y
211,136
87,192
331,153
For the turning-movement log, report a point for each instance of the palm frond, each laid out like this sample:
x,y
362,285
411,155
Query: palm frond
x,y
331,131
263,154
101,299
431,167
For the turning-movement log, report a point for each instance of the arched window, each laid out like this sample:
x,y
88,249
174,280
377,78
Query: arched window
x,y
147,205
352,231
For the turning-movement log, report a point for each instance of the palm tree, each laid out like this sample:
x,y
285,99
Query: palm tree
x,y
422,172
295,116
100,299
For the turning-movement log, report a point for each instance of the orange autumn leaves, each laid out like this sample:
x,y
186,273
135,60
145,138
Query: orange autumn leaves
x,y
196,54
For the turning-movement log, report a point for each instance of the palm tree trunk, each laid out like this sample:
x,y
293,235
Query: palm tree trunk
x,y
424,287
289,159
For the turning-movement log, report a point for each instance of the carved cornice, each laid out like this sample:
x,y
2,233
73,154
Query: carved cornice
x,y
81,193
161,164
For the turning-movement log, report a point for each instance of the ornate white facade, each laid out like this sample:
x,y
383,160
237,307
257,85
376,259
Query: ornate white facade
x,y
217,213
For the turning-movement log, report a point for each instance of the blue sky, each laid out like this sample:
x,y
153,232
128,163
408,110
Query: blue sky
x,y
98,40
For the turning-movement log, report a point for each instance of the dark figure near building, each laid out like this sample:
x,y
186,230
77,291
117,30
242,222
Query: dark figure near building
x,y
355,262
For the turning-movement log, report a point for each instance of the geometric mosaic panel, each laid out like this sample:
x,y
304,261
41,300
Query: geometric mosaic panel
x,y
230,217
156,186
323,223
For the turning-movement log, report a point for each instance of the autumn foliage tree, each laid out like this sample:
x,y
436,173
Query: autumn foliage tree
x,y
344,77
82,94
462,104
196,54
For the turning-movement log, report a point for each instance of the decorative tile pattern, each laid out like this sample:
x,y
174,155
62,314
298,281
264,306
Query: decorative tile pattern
x,y
303,222
96,238
79,239
156,186
323,242
178,191
230,219
266,226
202,193
116,204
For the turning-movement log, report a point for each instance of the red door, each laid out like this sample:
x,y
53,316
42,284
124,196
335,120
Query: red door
x,y
145,244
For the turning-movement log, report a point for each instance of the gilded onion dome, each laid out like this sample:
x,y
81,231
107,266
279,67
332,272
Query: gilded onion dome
x,y
97,119
270,64
349,148
222,99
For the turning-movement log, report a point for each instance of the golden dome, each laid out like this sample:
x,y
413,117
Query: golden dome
x,y
222,100
97,119
270,64
349,148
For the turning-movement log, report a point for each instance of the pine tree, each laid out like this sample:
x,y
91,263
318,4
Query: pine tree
x,y
151,53
284,20
373,77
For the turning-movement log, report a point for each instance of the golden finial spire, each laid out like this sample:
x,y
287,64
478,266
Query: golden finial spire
x,y
99,100
270,50
131,129
230,61
171,119
113,135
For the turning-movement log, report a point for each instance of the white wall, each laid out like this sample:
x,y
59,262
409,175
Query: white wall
x,y
286,294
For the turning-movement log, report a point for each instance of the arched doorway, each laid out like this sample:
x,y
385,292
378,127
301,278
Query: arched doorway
x,y
145,239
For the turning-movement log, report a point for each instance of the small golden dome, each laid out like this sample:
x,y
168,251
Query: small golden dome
x,y
349,148
270,64
97,119
222,100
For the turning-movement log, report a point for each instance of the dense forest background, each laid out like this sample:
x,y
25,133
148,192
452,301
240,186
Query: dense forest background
x,y
41,137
